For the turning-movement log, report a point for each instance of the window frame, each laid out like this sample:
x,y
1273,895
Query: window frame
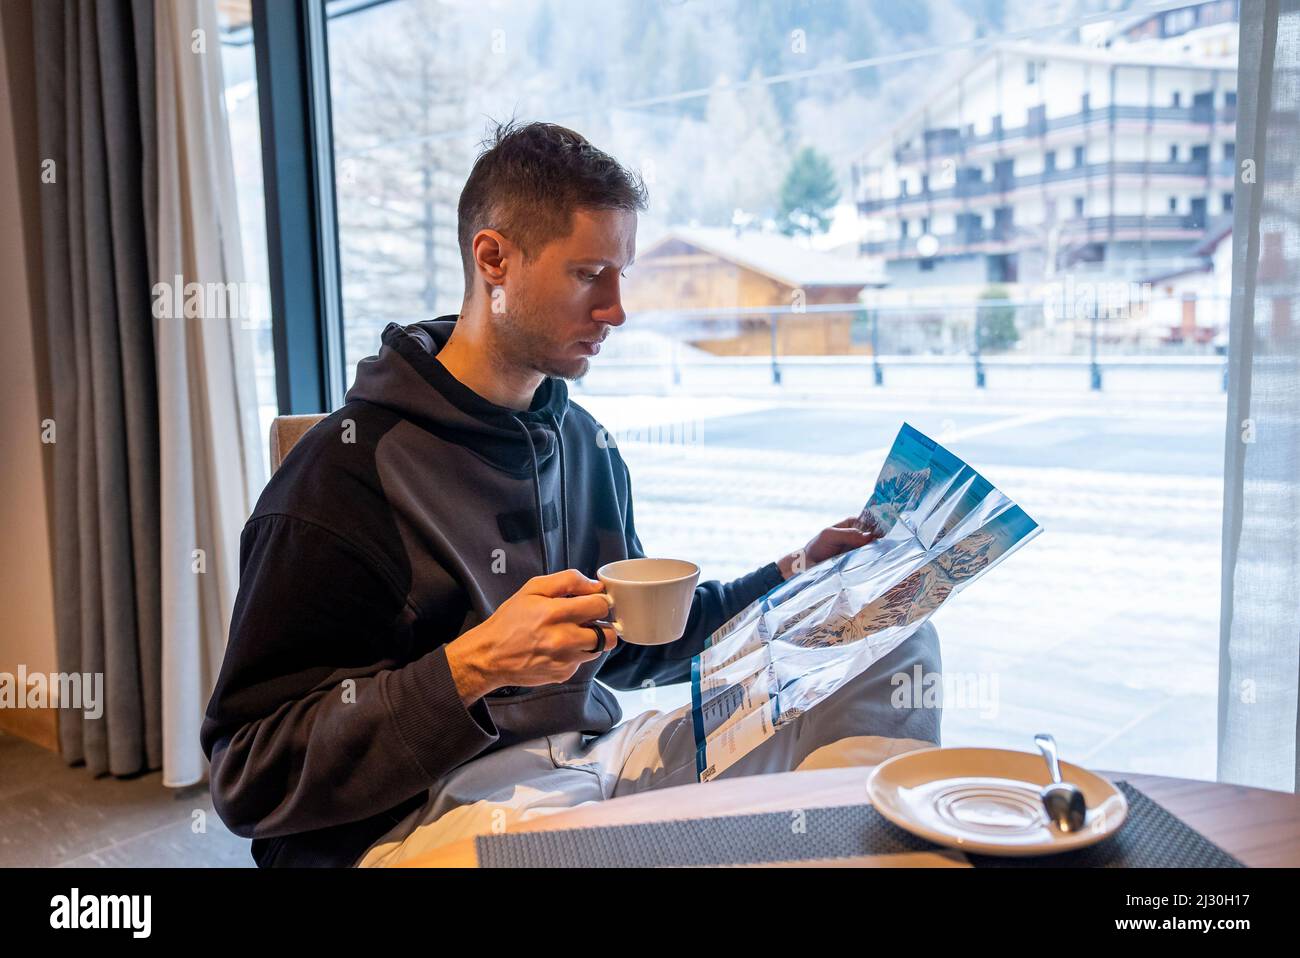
x,y
291,56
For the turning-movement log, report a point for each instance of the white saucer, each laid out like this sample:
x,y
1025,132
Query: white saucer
x,y
985,800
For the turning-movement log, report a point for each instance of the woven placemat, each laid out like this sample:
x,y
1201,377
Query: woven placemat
x,y
1151,838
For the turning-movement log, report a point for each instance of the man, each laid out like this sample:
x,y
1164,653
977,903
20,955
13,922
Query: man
x,y
412,648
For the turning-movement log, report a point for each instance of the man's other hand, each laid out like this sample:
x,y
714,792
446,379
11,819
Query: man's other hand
x,y
832,541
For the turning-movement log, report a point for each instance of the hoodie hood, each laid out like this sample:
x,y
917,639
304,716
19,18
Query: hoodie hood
x,y
407,378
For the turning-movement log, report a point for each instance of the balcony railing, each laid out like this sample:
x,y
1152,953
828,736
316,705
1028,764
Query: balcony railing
x,y
1015,236
1198,169
945,142
1160,221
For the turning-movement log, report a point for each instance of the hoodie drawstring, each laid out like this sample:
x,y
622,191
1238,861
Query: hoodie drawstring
x,y
564,498
537,495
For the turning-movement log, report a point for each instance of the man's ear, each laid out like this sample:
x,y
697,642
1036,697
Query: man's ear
x,y
491,253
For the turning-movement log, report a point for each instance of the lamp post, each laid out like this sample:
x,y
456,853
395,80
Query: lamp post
x,y
1094,369
776,370
877,374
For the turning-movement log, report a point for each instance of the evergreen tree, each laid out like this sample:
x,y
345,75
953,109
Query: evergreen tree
x,y
808,195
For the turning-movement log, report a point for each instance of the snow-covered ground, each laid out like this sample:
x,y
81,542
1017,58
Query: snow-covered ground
x,y
1103,630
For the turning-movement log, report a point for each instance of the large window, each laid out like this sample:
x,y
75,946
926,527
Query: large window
x,y
1063,328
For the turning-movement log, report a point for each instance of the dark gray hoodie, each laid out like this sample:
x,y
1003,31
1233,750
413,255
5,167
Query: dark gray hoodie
x,y
401,520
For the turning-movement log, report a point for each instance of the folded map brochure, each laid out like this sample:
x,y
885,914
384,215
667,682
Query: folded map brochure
x,y
942,525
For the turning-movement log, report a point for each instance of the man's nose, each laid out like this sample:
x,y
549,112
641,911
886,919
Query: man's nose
x,y
612,312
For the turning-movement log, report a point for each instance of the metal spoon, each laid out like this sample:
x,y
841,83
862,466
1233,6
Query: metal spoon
x,y
1064,802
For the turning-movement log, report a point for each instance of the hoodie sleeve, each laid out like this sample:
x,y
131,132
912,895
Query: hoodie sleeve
x,y
630,666
315,719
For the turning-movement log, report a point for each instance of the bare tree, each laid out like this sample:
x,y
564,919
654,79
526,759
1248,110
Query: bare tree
x,y
404,96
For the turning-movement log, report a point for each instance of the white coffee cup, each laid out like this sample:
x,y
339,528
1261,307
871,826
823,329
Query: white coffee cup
x,y
652,597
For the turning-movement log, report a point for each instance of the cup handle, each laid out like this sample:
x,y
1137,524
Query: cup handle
x,y
615,624
610,618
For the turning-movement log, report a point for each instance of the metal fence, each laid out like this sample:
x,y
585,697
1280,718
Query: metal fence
x,y
1094,333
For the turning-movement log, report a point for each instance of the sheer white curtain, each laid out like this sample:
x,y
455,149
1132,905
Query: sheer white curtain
x,y
1260,635
210,443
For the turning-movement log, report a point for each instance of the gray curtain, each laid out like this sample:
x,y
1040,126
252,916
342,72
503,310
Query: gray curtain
x,y
1260,634
95,96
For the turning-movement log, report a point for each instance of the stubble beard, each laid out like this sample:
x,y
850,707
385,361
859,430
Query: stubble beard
x,y
523,341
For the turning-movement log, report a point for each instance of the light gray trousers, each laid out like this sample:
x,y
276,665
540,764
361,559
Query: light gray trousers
x,y
856,725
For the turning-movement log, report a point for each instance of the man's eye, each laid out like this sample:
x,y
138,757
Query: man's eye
x,y
588,277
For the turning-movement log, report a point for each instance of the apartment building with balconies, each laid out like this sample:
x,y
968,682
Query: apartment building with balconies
x,y
1114,157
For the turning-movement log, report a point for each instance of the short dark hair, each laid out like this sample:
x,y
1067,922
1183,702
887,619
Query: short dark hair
x,y
529,179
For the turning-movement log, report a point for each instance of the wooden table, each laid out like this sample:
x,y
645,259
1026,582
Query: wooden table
x,y
1259,827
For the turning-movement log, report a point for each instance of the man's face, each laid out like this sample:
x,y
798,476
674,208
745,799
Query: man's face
x,y
555,308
